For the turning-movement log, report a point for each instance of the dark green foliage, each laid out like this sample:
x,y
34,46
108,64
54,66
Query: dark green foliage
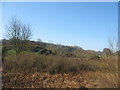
x,y
45,51
48,52
37,49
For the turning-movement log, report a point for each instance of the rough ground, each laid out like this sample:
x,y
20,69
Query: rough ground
x,y
66,80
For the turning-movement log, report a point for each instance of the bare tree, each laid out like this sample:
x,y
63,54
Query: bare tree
x,y
113,44
19,34
26,35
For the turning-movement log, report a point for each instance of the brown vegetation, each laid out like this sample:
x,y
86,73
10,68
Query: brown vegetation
x,y
41,71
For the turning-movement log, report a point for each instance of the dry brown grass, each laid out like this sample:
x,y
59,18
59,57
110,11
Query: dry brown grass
x,y
55,71
65,80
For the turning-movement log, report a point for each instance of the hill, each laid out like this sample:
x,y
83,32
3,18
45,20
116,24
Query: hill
x,y
47,65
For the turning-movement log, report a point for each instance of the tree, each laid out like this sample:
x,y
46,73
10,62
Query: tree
x,y
19,34
26,35
112,45
107,51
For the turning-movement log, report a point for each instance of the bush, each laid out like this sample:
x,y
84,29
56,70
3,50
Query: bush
x,y
37,49
40,62
25,61
10,53
21,62
56,64
52,64
45,51
9,63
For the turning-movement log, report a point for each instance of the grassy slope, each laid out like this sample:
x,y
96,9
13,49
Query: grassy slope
x,y
31,69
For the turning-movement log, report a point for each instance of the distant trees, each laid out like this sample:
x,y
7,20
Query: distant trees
x,y
19,34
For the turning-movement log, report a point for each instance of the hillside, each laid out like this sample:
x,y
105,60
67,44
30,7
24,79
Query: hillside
x,y
47,65
54,49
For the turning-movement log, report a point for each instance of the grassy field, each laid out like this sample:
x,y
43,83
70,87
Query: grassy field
x,y
54,71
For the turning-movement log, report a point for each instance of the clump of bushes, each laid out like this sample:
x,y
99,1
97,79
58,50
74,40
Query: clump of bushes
x,y
23,61
9,63
26,61
52,64
10,53
42,50
36,49
45,51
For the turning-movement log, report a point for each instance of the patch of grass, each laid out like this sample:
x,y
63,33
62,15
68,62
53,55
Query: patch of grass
x,y
10,53
56,64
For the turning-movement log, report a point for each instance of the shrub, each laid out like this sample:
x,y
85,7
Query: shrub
x,y
56,64
37,49
40,62
25,61
52,64
21,62
45,51
9,63
10,53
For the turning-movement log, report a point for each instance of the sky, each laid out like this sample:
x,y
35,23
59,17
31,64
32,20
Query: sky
x,y
85,24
